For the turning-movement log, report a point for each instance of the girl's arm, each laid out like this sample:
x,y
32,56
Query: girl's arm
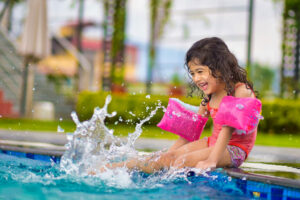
x,y
219,148
181,141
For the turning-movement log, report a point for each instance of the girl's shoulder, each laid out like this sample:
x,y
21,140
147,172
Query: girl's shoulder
x,y
242,90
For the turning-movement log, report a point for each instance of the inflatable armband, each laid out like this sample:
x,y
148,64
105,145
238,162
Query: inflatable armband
x,y
243,114
182,119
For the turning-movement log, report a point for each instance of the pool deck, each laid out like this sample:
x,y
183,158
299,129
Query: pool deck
x,y
260,161
53,140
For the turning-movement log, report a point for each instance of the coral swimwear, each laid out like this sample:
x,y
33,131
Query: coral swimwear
x,y
239,146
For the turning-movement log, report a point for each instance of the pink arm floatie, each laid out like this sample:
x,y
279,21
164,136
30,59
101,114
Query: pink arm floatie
x,y
243,114
182,119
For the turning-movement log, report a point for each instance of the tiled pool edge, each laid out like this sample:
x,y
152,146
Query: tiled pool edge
x,y
37,148
241,174
36,151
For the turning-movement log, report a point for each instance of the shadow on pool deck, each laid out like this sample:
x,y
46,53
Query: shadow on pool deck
x,y
263,160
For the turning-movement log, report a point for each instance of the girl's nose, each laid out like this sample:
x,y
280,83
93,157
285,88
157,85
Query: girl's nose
x,y
197,78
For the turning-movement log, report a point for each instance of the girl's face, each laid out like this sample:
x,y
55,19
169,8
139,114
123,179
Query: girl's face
x,y
202,77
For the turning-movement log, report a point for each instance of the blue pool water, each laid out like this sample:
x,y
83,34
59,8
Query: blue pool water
x,y
92,145
26,178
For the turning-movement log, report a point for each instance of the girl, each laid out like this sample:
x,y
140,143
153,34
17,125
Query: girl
x,y
215,71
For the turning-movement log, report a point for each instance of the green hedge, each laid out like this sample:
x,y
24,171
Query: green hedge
x,y
139,105
280,116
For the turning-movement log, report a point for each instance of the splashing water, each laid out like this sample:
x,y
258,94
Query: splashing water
x,y
94,145
60,129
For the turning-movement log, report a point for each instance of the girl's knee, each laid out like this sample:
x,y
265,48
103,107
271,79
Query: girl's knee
x,y
179,162
169,155
166,159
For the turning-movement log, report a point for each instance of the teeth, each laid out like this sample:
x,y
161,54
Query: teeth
x,y
202,85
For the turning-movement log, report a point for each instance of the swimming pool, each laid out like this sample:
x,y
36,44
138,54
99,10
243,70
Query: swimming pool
x,y
32,176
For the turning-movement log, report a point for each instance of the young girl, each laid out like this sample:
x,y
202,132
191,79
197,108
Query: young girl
x,y
215,71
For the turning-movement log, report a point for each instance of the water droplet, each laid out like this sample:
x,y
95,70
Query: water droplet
x,y
60,130
229,178
116,122
69,136
131,113
75,118
107,100
32,111
60,119
240,106
148,96
195,118
113,114
33,89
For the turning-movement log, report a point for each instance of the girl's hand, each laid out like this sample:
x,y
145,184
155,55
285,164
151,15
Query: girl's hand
x,y
206,164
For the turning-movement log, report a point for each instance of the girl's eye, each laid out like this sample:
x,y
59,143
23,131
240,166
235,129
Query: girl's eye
x,y
192,74
199,72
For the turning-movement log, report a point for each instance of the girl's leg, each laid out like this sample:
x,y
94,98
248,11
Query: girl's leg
x,y
191,159
159,161
179,143
148,163
190,147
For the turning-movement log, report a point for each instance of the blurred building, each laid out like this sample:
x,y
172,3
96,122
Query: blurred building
x,y
62,63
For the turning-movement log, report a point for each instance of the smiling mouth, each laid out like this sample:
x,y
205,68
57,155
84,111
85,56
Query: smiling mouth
x,y
203,86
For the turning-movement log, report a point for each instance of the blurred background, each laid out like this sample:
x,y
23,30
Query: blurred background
x,y
58,56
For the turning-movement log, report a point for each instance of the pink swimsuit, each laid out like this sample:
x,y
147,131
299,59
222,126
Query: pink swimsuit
x,y
244,142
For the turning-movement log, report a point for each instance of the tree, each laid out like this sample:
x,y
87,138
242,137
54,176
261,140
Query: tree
x,y
262,78
290,48
160,12
8,7
114,43
118,45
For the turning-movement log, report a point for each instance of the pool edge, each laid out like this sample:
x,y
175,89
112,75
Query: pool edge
x,y
239,173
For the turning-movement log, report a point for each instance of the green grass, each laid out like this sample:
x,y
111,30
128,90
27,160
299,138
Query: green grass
x,y
279,140
36,125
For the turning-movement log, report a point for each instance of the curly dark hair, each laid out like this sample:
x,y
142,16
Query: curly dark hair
x,y
214,53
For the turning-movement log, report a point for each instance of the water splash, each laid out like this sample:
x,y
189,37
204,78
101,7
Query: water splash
x,y
60,129
93,145
240,106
